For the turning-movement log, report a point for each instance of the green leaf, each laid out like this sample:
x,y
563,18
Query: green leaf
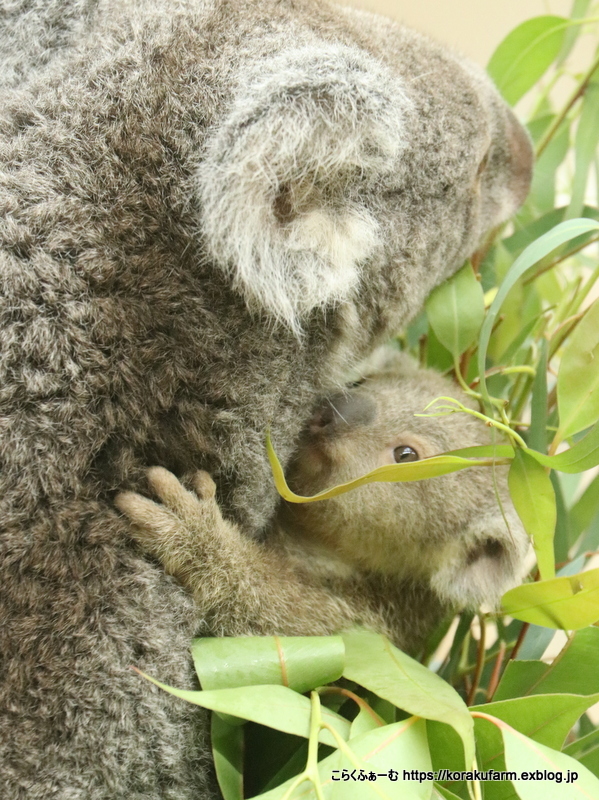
x,y
574,671
456,310
525,55
583,745
437,356
579,11
560,540
399,746
537,433
546,718
441,793
295,764
227,750
502,451
586,142
363,723
390,473
373,662
528,258
542,191
536,641
534,500
274,706
578,377
528,234
586,750
568,603
582,456
584,510
299,662
524,755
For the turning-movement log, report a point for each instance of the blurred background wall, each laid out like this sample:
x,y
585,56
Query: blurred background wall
x,y
475,27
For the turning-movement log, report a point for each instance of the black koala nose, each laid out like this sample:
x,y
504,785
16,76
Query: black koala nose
x,y
341,411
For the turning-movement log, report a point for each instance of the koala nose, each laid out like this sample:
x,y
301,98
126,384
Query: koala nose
x,y
342,410
521,158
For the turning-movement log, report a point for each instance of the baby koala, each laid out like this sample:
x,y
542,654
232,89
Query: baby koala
x,y
394,557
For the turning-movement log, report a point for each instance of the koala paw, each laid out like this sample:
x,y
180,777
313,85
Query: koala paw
x,y
177,524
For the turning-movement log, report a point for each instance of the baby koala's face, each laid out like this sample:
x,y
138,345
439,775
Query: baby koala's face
x,y
448,531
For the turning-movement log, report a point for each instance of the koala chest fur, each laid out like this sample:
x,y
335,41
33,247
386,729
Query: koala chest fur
x,y
210,210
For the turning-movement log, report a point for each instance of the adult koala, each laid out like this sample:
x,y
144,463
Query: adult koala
x,y
210,209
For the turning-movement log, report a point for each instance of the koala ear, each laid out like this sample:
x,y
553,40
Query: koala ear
x,y
385,360
285,176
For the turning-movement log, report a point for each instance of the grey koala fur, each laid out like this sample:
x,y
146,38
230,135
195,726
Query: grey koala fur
x,y
394,557
210,210
35,33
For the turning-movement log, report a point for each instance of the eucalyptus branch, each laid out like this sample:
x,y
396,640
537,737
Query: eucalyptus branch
x,y
573,99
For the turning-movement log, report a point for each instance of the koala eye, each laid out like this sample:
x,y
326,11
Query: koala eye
x,y
403,453
353,384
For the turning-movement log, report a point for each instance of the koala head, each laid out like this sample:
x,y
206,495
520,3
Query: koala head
x,y
356,161
449,532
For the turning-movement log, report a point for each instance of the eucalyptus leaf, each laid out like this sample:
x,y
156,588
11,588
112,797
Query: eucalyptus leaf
x,y
456,310
275,706
574,671
537,433
579,11
525,55
300,662
546,718
586,750
562,233
578,458
542,192
441,793
578,377
390,473
584,510
524,755
569,603
534,500
363,723
227,751
536,641
399,746
373,662
586,142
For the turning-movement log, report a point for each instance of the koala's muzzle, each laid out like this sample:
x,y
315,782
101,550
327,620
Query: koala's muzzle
x,y
489,548
341,411
521,159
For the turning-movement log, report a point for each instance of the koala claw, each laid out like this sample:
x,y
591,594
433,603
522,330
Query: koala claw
x,y
181,518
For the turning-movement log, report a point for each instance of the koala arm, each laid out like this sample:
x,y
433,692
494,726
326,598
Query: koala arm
x,y
242,586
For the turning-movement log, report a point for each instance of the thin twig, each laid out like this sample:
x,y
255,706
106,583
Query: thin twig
x,y
576,95
496,674
480,661
519,640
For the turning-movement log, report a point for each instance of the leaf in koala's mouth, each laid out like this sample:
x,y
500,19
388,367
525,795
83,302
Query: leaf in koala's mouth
x,y
390,473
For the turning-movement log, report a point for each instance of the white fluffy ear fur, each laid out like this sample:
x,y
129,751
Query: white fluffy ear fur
x,y
282,186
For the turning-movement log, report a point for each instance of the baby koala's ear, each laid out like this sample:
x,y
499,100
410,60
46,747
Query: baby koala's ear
x,y
388,360
286,176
